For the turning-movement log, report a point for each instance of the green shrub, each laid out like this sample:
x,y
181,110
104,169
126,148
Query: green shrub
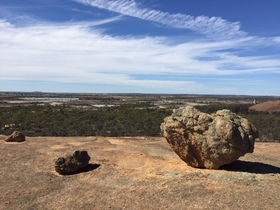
x,y
66,121
126,120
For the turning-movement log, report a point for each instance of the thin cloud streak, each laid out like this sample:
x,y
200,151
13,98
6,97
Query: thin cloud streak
x,y
215,27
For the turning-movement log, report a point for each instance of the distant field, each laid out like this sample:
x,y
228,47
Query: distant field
x,y
144,100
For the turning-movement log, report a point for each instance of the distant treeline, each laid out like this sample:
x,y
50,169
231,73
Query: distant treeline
x,y
125,120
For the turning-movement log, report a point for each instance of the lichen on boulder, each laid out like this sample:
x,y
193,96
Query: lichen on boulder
x,y
208,141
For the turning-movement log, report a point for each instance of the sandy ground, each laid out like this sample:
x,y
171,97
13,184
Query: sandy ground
x,y
133,173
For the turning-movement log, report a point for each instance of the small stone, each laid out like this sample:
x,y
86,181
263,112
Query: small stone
x,y
16,136
72,163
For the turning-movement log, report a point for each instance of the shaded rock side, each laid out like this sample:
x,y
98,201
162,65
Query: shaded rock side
x,y
208,141
72,163
16,136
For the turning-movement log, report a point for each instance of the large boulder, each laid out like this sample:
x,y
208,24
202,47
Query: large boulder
x,y
208,141
16,136
71,163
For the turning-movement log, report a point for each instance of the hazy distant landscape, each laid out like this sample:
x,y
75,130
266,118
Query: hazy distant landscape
x,y
117,115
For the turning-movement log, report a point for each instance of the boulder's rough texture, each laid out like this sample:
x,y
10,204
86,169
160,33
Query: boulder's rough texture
x,y
72,163
16,136
208,141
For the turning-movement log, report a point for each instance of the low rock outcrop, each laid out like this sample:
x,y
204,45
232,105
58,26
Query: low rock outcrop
x,y
208,141
72,163
268,106
16,136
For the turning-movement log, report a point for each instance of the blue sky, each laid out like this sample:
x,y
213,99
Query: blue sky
x,y
141,46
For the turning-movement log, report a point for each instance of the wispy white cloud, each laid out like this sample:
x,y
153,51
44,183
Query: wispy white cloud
x,y
72,52
79,53
5,24
277,39
211,26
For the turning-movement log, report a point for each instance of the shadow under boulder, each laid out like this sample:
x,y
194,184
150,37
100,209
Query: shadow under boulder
x,y
251,167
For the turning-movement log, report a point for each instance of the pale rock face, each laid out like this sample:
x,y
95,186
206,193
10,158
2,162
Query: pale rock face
x,y
208,141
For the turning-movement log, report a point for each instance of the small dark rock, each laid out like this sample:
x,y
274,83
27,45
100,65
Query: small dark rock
x,y
72,163
16,136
